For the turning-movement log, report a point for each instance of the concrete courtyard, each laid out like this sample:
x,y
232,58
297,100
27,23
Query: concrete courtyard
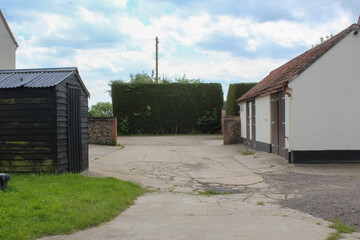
x,y
178,168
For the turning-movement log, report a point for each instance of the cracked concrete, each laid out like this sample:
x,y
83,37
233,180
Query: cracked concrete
x,y
178,168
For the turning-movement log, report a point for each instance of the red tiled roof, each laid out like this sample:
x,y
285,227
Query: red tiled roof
x,y
279,77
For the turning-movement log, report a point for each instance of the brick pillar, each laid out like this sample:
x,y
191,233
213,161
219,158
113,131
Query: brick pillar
x,y
231,132
103,130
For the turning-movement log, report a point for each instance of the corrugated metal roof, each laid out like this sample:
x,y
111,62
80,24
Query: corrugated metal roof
x,y
36,78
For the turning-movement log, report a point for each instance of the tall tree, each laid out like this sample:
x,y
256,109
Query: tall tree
x,y
101,109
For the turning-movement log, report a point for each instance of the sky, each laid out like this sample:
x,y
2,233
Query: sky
x,y
222,41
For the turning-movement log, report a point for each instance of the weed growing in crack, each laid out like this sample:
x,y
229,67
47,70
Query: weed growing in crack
x,y
248,152
340,228
212,192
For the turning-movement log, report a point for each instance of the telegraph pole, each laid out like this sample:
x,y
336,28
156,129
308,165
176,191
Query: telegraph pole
x,y
157,60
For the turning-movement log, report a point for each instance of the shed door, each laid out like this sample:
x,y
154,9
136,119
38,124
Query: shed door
x,y
74,130
281,106
253,124
278,124
248,121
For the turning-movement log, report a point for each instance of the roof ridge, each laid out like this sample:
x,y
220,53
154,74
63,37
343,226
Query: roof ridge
x,y
60,69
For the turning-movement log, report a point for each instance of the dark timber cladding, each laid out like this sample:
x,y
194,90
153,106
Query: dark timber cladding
x,y
35,113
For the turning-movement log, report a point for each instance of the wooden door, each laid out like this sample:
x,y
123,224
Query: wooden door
x,y
74,130
253,124
278,124
248,123
274,124
281,134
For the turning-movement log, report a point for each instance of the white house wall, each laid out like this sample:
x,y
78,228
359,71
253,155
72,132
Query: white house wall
x,y
7,47
263,119
325,104
288,120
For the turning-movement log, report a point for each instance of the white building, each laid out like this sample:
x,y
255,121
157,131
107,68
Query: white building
x,y
308,110
8,45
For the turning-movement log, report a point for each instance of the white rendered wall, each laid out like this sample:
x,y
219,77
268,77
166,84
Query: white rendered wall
x,y
263,119
325,106
288,119
7,48
243,120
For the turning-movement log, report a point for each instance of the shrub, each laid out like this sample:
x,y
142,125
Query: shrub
x,y
234,93
166,108
208,123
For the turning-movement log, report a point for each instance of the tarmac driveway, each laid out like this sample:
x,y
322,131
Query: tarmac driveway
x,y
177,168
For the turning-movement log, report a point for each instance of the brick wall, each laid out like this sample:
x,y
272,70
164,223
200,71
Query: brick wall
x,y
231,130
103,130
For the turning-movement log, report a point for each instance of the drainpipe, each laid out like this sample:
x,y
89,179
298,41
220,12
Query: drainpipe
x,y
285,92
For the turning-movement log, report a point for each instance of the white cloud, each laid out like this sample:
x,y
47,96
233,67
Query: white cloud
x,y
131,49
119,3
88,16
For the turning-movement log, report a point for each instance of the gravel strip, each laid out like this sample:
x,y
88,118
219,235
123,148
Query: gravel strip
x,y
327,197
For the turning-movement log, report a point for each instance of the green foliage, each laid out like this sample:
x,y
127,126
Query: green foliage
x,y
139,78
208,123
334,236
167,108
213,192
101,109
234,93
247,152
185,80
123,125
34,206
342,228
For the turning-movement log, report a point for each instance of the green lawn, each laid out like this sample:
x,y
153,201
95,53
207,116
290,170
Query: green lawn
x,y
38,205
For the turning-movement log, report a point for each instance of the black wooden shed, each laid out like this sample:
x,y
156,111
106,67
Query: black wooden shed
x,y
43,121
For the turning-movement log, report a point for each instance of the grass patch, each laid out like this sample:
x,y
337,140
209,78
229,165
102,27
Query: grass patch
x,y
212,192
219,138
121,146
334,236
247,152
34,206
260,203
340,228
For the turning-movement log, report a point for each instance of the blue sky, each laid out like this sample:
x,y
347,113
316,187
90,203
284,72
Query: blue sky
x,y
225,41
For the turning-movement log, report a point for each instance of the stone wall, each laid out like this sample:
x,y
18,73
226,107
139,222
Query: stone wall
x,y
103,130
231,130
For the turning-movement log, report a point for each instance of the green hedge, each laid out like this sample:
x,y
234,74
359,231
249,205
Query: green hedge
x,y
167,108
235,92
